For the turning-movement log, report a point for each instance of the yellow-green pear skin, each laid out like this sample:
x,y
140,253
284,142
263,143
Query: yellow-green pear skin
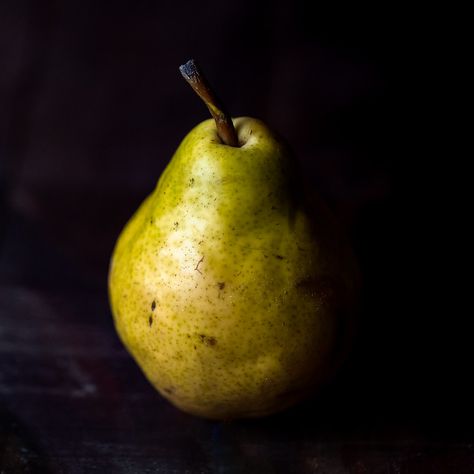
x,y
232,296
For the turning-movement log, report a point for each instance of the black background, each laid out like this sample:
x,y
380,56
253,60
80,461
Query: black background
x,y
92,109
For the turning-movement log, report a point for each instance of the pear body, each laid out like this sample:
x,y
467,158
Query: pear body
x,y
231,294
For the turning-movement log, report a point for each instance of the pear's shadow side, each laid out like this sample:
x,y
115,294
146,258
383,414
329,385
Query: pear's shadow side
x,y
378,390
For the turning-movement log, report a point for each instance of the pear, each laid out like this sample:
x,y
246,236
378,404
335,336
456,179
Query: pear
x,y
233,295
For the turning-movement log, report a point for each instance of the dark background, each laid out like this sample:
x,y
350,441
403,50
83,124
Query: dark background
x,y
92,109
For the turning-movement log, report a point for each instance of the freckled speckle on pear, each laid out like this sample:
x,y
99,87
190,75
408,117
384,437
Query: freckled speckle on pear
x,y
231,297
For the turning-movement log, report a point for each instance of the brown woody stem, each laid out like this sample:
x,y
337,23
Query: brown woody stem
x,y
195,78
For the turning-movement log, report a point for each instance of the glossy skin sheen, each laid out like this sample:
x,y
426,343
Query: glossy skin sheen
x,y
230,300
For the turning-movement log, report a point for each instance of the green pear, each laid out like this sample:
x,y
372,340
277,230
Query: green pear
x,y
233,295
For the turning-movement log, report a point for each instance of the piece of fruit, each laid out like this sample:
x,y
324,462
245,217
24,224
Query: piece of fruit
x,y
232,295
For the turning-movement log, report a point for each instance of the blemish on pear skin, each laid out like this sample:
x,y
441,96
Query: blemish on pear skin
x,y
197,265
169,390
279,257
150,320
208,340
221,285
153,305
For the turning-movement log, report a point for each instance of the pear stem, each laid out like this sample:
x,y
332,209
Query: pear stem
x,y
195,78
